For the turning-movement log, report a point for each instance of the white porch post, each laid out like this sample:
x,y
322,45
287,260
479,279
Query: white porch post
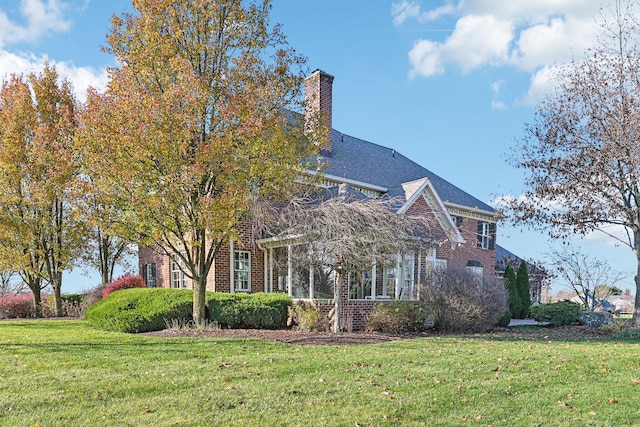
x,y
399,276
373,280
270,269
289,271
265,262
311,290
419,275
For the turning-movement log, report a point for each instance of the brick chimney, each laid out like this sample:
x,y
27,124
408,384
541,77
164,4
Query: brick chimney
x,y
318,87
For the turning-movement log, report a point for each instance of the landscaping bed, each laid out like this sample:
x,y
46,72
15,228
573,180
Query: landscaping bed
x,y
345,338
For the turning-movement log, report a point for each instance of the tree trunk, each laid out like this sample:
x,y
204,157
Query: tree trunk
x,y
57,294
337,303
199,301
37,301
635,320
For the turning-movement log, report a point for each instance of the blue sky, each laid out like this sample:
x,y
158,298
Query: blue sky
x,y
449,84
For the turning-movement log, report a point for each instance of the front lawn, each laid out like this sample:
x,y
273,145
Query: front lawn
x,y
65,373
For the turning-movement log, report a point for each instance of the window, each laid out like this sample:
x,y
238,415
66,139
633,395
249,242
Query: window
x,y
241,271
149,275
178,278
459,221
359,285
475,266
486,235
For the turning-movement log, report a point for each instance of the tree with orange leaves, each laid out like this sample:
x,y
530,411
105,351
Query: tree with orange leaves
x,y
196,126
40,239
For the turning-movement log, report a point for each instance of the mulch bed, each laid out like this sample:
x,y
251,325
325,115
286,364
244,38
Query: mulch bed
x,y
346,338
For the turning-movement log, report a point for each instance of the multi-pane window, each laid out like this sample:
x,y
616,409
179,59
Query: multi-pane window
x,y
178,278
486,235
241,270
149,275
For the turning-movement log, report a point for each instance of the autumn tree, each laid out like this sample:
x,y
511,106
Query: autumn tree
x,y
39,238
104,252
346,233
589,278
197,124
581,152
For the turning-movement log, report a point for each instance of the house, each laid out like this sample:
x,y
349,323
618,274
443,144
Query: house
x,y
468,227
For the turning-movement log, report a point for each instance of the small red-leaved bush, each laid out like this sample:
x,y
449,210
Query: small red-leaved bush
x,y
16,306
127,281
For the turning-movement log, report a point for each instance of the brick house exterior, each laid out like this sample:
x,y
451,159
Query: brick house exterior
x,y
466,224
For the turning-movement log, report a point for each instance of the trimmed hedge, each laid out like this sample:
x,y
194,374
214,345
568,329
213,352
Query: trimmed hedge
x,y
147,309
557,313
249,311
140,309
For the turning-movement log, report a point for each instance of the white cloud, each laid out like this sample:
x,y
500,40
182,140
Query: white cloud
x,y
610,235
540,87
425,59
403,11
476,41
496,89
530,36
80,77
40,16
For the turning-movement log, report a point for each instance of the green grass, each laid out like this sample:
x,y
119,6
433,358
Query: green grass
x,y
65,373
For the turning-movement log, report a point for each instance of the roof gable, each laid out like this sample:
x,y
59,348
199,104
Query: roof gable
x,y
423,188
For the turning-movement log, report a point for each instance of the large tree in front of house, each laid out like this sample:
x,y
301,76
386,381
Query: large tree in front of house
x,y
40,238
196,126
581,152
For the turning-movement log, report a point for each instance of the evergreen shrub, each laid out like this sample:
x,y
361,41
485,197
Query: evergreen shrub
x,y
249,311
140,310
557,313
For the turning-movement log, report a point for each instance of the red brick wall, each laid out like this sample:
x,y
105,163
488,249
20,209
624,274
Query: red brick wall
x,y
461,253
219,278
319,94
457,256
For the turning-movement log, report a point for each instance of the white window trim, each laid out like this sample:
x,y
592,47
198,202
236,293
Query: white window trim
x,y
176,263
484,237
234,271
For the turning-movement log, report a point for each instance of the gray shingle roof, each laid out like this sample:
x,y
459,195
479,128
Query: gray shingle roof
x,y
363,161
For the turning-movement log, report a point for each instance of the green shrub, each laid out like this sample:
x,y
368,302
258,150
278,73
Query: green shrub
x,y
557,313
505,319
524,289
72,298
397,316
463,302
140,310
249,311
515,304
306,316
